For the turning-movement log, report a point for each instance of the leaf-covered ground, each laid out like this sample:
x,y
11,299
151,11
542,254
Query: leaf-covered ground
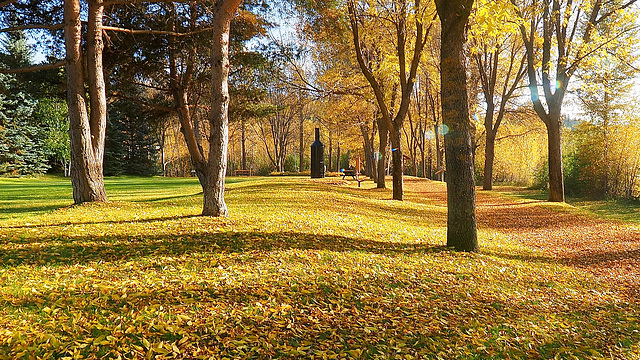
x,y
305,269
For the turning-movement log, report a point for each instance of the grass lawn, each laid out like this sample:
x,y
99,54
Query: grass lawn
x,y
300,269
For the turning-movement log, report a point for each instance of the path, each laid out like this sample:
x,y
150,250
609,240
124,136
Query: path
x,y
608,249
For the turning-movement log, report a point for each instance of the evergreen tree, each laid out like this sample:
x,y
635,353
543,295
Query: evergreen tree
x,y
22,150
131,143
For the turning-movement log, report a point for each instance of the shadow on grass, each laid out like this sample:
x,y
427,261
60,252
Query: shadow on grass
x,y
27,209
166,198
56,251
97,222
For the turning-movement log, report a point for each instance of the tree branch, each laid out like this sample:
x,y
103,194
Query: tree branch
x,y
31,27
34,68
131,2
154,32
517,135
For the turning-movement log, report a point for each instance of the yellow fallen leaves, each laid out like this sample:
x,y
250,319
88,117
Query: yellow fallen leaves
x,y
300,270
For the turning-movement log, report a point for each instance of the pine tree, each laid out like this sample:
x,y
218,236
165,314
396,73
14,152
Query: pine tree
x,y
22,150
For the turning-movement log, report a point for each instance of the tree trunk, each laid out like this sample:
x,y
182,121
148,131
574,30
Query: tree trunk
x,y
301,149
338,158
243,137
489,156
556,181
423,164
368,150
87,134
330,167
214,185
439,158
461,221
383,134
398,166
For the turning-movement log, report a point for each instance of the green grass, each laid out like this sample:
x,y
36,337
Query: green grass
x,y
299,270
623,210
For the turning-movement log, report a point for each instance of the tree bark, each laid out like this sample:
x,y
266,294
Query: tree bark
x,y
383,136
301,148
556,182
368,149
86,134
214,184
398,166
489,156
461,217
338,158
244,144
439,156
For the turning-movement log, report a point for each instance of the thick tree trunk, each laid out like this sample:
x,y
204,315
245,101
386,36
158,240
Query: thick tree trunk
x,y
461,222
214,186
556,181
489,156
86,135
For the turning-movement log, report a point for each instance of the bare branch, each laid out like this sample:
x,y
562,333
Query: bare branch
x,y
154,32
131,2
31,27
34,68
518,135
622,7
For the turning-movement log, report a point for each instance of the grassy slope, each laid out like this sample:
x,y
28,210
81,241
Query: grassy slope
x,y
623,210
300,269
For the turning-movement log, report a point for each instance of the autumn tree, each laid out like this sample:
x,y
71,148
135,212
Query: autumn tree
x,y
461,217
559,35
406,22
497,52
176,25
599,158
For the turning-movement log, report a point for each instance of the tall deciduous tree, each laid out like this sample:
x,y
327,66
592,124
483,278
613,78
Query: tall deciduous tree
x,y
558,38
407,21
498,55
461,220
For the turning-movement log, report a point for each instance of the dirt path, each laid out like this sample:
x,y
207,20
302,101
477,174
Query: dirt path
x,y
608,249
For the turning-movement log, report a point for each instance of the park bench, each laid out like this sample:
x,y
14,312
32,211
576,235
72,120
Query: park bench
x,y
241,172
355,174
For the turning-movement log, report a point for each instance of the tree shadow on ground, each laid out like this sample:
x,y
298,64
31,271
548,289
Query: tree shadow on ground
x,y
83,250
98,222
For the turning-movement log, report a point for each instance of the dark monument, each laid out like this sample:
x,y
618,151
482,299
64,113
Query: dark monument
x,y
317,157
